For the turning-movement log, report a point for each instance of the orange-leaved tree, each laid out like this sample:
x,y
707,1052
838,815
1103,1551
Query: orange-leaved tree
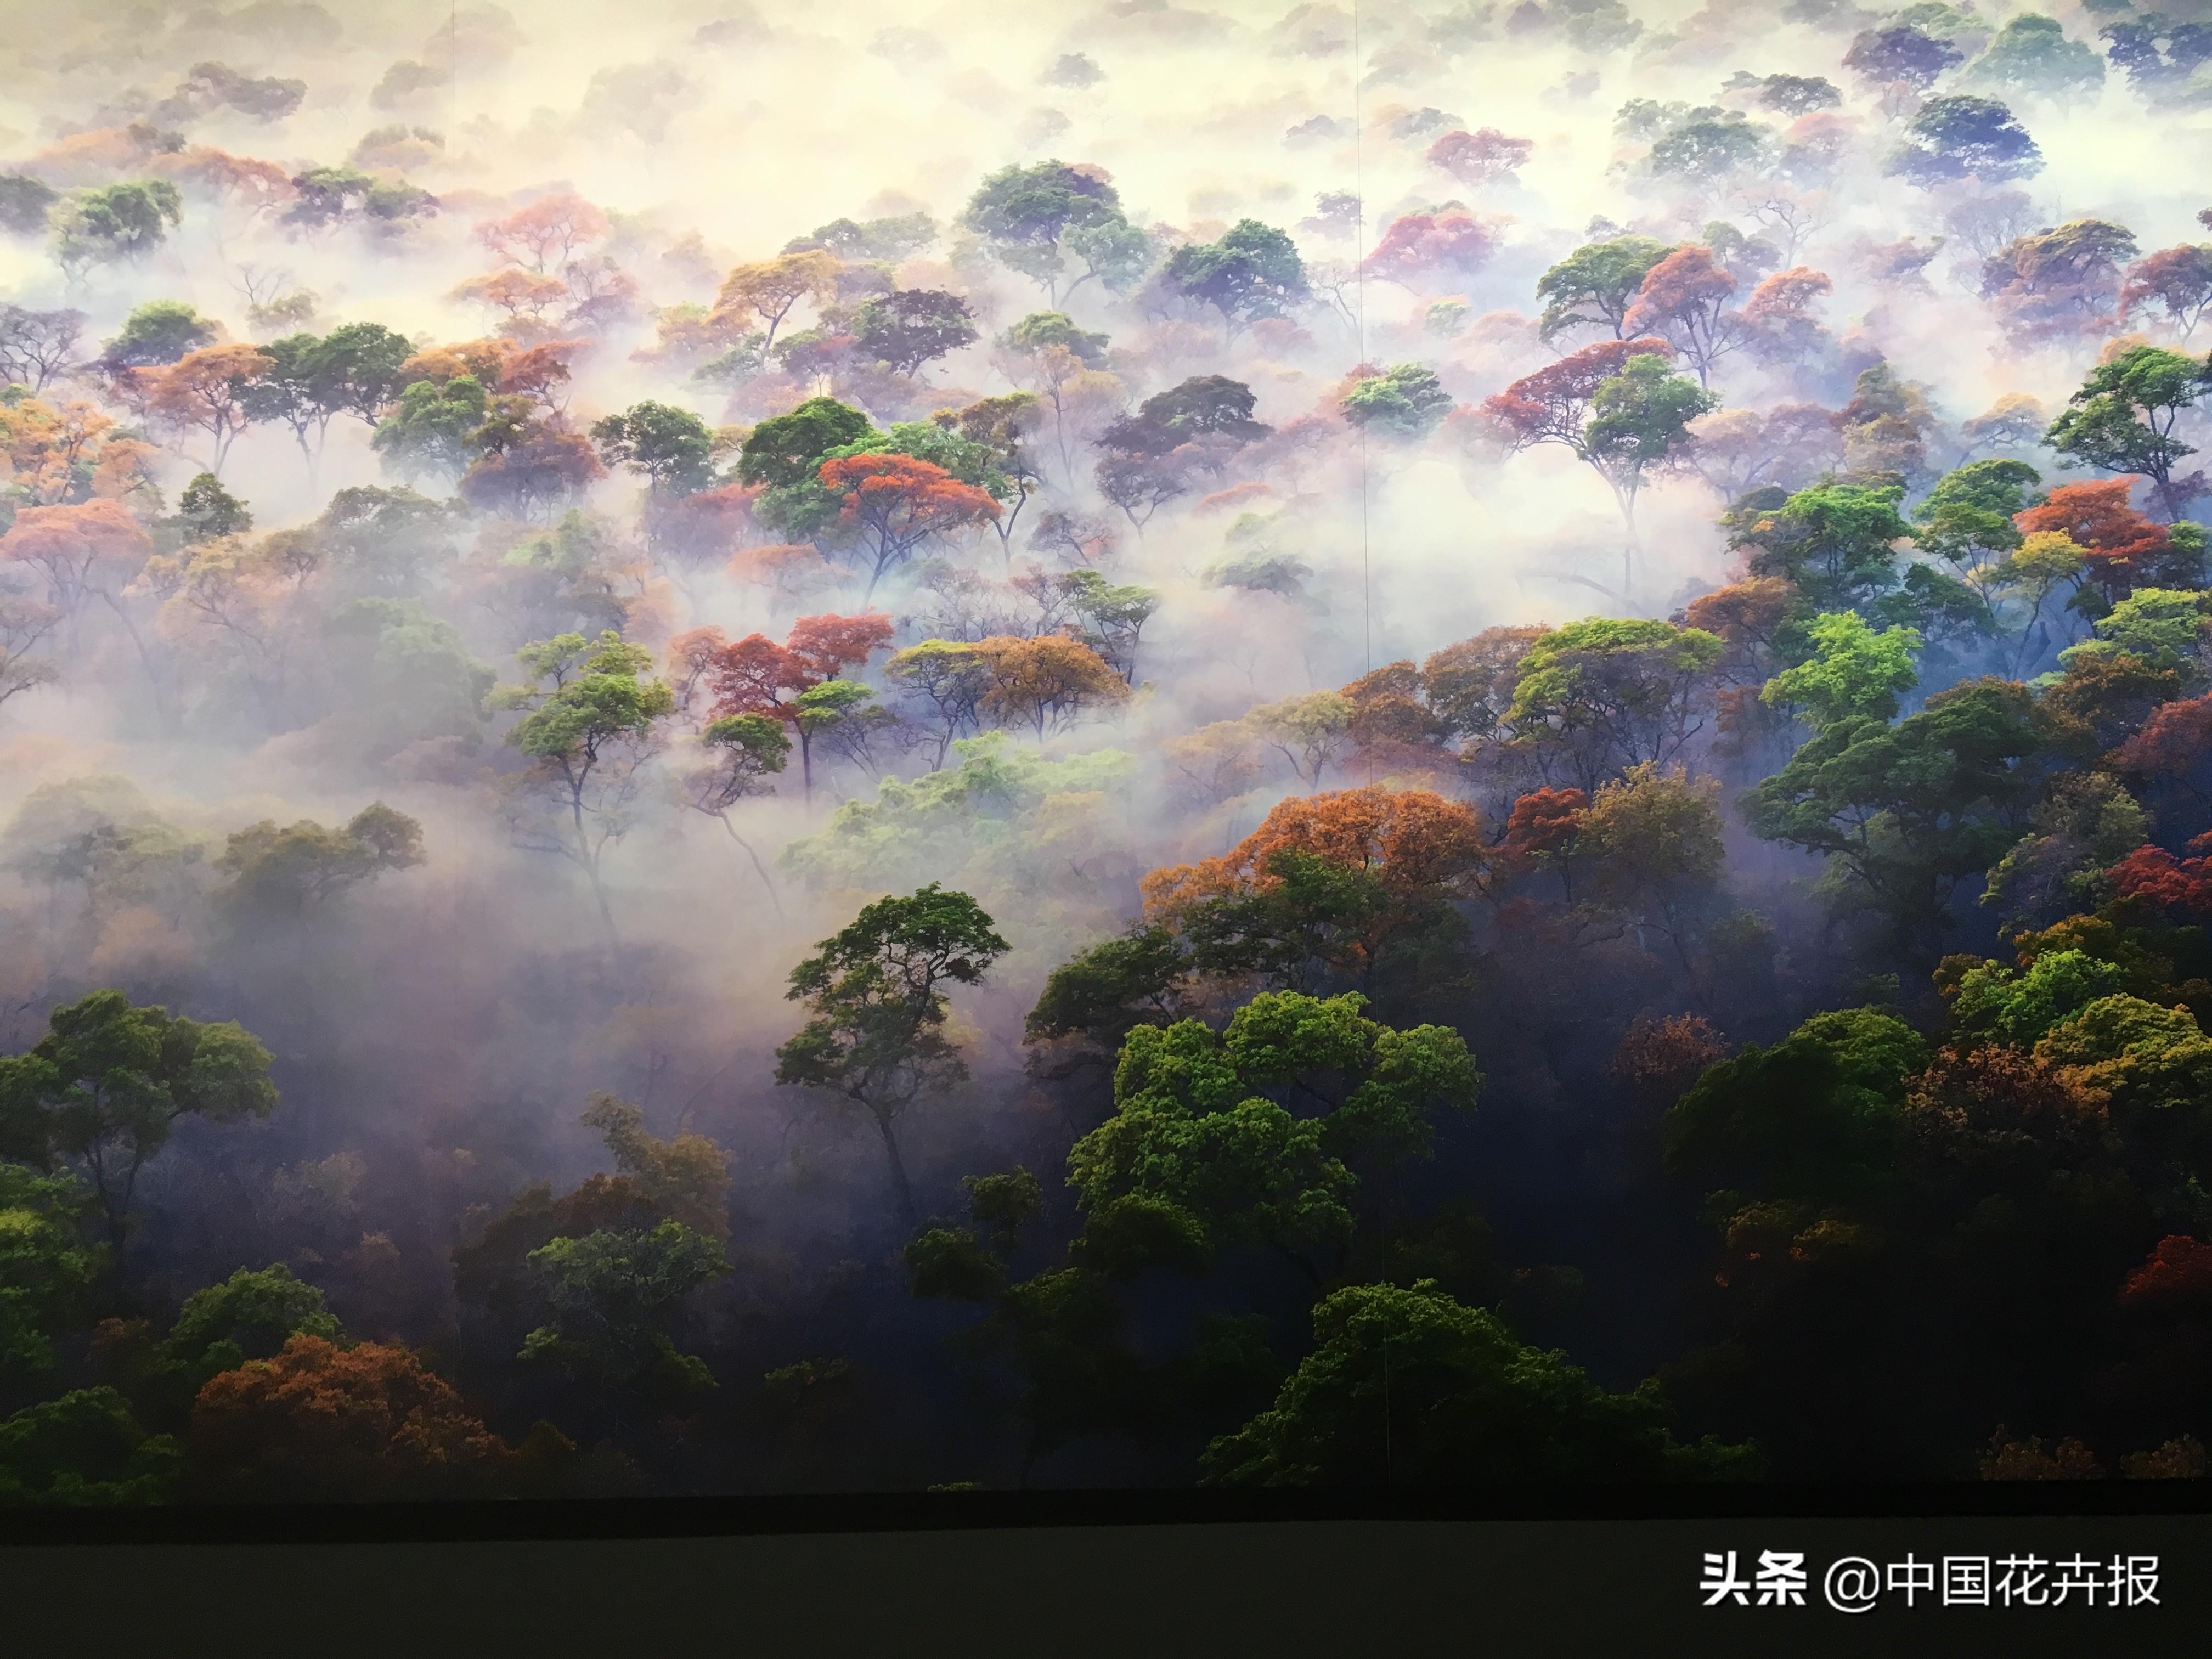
x,y
204,391
899,502
1334,885
319,1421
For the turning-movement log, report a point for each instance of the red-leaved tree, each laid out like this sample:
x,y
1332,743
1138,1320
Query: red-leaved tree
x,y
757,676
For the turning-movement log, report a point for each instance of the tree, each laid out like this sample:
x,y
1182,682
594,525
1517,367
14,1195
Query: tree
x,y
613,1295
1614,407
1357,882
249,1315
1836,542
757,676
1034,217
1252,272
1477,158
904,330
208,390
742,749
1595,286
950,676
1199,1153
767,290
38,347
686,1178
1967,518
354,370
2059,281
1001,426
897,502
157,333
386,541
25,203
47,1273
2122,420
1707,152
875,1009
787,450
318,1421
1609,693
115,222
300,867
1405,402
109,1083
2178,278
1405,1386
670,448
1906,814
1684,299
85,1448
589,733
1963,136
1045,683
2031,54
545,234
1798,94
2122,546
1309,731
1450,245
1901,52
1852,673
434,427
78,550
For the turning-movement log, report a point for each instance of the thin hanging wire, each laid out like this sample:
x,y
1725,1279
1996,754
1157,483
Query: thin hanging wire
x,y
1359,305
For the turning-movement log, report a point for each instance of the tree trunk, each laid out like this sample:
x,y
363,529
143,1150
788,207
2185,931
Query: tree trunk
x,y
898,1173
759,868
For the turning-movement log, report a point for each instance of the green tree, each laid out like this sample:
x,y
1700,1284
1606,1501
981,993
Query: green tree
x,y
1836,542
788,449
85,1448
47,1271
289,871
2030,53
2122,418
435,429
1252,272
1406,402
687,1178
614,1295
911,326
593,726
1033,218
670,448
876,1004
355,370
107,1083
1601,694
1814,1117
1201,1150
249,1315
1966,519
1905,813
1853,671
113,222
1594,286
1405,1386
158,333
742,751
1960,137
1640,421
206,511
